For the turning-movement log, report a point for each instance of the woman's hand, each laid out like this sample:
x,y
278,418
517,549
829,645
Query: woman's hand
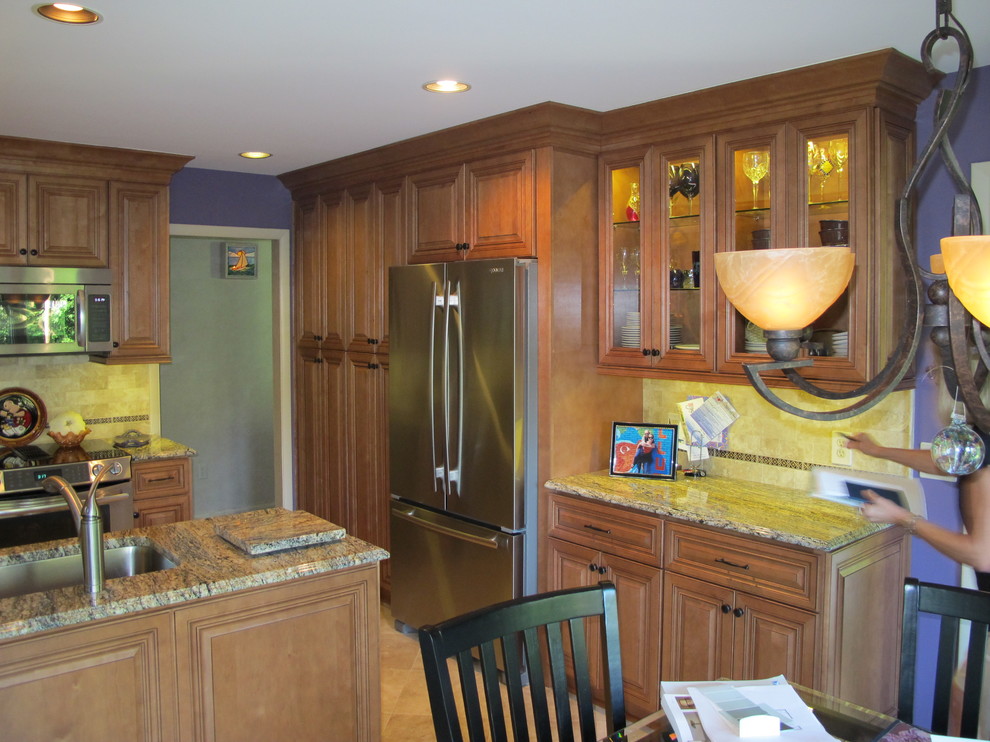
x,y
863,442
882,510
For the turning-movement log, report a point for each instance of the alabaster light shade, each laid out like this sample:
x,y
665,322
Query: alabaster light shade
x,y
967,266
784,289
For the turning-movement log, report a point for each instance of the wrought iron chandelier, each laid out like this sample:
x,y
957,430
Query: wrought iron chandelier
x,y
959,312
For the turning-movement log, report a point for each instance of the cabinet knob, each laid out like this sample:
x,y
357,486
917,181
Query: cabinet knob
x,y
372,341
462,246
726,608
592,567
646,351
602,570
34,252
23,251
655,352
318,338
738,612
115,344
372,365
137,515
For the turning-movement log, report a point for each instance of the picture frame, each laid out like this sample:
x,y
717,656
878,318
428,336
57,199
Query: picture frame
x,y
23,417
240,260
632,455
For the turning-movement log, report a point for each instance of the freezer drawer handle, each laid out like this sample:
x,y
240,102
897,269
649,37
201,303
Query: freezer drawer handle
x,y
607,531
490,543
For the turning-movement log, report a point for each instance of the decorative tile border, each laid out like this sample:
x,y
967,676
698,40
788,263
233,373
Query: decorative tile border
x,y
753,458
123,419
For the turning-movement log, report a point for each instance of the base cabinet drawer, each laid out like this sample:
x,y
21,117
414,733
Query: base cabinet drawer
x,y
162,491
774,571
601,525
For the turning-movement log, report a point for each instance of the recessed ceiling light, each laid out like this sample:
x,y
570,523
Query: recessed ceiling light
x,y
256,155
446,86
68,13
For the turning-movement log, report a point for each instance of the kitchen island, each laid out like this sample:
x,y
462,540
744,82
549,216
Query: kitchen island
x,y
719,577
272,638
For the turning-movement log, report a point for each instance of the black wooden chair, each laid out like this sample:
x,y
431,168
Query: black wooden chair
x,y
524,635
952,604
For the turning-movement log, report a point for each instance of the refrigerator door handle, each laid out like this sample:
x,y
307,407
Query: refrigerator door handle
x,y
409,515
455,391
439,304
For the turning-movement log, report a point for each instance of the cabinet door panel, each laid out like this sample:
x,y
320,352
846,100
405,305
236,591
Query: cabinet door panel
x,y
113,681
308,315
638,589
304,654
13,218
335,284
157,511
437,214
501,206
697,635
367,457
367,285
139,257
772,639
69,216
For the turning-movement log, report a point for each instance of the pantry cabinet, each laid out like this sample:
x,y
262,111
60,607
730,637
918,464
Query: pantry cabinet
x,y
76,206
809,157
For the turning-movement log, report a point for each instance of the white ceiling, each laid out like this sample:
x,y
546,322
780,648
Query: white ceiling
x,y
312,81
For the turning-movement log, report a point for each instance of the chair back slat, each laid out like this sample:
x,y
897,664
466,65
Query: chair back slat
x,y
951,605
527,630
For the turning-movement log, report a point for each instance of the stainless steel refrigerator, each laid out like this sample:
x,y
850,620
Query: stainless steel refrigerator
x,y
462,436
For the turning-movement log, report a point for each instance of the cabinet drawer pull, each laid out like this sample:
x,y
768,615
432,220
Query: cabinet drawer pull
x,y
596,528
732,564
169,478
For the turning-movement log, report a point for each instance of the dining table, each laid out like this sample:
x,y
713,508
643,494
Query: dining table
x,y
843,720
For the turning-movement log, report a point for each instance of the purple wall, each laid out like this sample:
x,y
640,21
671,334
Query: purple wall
x,y
934,221
228,199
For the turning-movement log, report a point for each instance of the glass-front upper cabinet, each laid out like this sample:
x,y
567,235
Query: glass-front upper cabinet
x,y
625,262
753,177
659,295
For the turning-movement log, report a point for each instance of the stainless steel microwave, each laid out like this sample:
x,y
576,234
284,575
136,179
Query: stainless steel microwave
x,y
55,310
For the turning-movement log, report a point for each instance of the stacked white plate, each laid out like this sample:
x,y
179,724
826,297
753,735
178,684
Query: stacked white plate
x,y
752,346
676,333
840,344
630,333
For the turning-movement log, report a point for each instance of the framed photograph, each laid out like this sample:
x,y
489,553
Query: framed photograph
x,y
644,450
22,417
240,260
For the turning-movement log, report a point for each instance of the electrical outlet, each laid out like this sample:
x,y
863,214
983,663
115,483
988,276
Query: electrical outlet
x,y
841,456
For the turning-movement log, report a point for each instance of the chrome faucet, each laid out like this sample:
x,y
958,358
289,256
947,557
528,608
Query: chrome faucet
x,y
89,526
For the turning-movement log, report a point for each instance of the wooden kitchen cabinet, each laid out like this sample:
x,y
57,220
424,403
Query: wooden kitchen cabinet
x,y
298,660
162,491
772,167
68,218
731,605
480,209
591,542
712,632
112,680
76,206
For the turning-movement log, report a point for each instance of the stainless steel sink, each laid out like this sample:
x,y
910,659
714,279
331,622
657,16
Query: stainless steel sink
x,y
66,571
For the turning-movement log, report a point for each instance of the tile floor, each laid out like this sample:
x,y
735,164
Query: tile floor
x,y
405,703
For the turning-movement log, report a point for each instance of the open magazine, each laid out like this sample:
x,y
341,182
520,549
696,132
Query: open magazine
x,y
846,487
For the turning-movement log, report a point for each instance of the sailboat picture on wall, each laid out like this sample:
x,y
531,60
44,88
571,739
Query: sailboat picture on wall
x,y
240,260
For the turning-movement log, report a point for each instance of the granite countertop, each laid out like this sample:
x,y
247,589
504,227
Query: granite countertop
x,y
158,448
777,513
207,564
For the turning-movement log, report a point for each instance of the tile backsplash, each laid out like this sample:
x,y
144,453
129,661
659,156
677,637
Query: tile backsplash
x,y
111,399
775,447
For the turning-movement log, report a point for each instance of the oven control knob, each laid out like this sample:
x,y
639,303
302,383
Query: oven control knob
x,y
116,468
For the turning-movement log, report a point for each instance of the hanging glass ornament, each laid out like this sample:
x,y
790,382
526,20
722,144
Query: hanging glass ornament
x,y
958,449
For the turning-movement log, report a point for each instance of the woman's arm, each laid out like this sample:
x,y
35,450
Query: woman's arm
x,y
972,548
915,458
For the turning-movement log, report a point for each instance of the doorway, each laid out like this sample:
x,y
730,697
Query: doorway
x,y
226,392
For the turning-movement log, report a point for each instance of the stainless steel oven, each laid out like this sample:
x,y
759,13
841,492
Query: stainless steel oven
x,y
29,515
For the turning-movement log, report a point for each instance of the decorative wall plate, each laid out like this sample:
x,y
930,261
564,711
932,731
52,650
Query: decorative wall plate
x,y
22,417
